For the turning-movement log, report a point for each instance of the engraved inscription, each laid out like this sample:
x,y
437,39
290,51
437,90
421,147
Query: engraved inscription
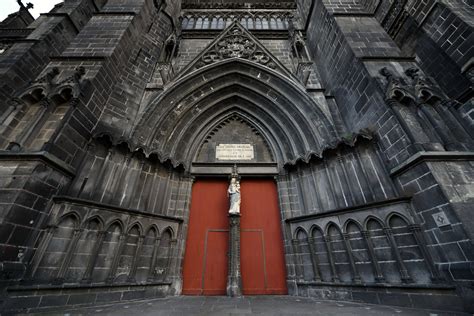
x,y
234,152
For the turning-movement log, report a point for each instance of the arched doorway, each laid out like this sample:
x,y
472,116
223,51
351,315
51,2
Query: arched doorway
x,y
234,114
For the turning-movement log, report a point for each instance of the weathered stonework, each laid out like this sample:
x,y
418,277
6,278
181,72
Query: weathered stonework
x,y
361,111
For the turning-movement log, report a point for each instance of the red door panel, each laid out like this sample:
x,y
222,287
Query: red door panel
x,y
216,265
208,212
260,211
206,261
252,263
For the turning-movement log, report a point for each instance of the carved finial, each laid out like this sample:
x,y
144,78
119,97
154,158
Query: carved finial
x,y
49,76
412,73
80,71
386,73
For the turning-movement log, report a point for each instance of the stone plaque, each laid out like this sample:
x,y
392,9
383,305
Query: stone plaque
x,y
441,219
234,152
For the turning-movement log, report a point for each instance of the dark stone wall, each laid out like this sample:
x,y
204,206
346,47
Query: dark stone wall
x,y
363,115
51,34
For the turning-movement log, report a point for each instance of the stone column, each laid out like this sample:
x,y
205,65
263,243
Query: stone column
x,y
234,279
379,278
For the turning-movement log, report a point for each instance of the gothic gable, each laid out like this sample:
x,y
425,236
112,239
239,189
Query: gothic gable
x,y
236,42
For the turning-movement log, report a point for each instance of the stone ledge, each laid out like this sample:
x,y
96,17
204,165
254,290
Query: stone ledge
x,y
353,14
109,207
224,168
389,58
403,199
431,156
65,15
43,156
49,287
78,58
115,13
382,285
47,298
211,33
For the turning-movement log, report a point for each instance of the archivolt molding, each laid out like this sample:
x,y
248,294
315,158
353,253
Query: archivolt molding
x,y
178,122
290,120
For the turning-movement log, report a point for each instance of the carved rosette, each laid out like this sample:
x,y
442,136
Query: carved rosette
x,y
236,44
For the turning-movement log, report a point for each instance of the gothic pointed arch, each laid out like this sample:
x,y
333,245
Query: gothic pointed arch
x,y
295,125
236,42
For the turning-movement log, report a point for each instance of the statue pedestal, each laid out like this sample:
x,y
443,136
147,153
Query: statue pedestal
x,y
234,279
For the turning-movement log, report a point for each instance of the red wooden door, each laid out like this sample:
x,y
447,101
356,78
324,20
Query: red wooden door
x,y
206,262
262,261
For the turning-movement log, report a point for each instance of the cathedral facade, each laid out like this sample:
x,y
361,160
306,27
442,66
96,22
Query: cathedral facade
x,y
346,129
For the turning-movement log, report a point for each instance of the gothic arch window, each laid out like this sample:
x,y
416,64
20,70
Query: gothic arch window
x,y
83,252
206,23
321,253
383,251
409,249
48,126
360,253
107,253
339,253
147,256
164,255
306,264
214,22
251,23
128,255
258,23
220,22
273,23
199,22
265,23
191,20
243,21
32,121
228,21
57,248
280,23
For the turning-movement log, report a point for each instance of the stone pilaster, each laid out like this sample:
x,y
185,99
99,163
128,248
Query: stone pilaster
x,y
234,279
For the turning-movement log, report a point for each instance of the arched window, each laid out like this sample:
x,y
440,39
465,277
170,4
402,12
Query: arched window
x,y
360,253
83,252
107,253
214,22
305,256
273,23
57,248
265,23
220,23
321,253
127,257
206,23
339,253
163,256
250,22
147,253
383,251
18,127
409,250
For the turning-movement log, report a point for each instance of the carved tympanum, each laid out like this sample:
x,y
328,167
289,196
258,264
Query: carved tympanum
x,y
236,44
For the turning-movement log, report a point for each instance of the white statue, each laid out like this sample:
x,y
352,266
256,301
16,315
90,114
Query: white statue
x,y
233,192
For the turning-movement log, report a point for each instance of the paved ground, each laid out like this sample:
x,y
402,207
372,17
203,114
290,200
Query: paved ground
x,y
255,305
